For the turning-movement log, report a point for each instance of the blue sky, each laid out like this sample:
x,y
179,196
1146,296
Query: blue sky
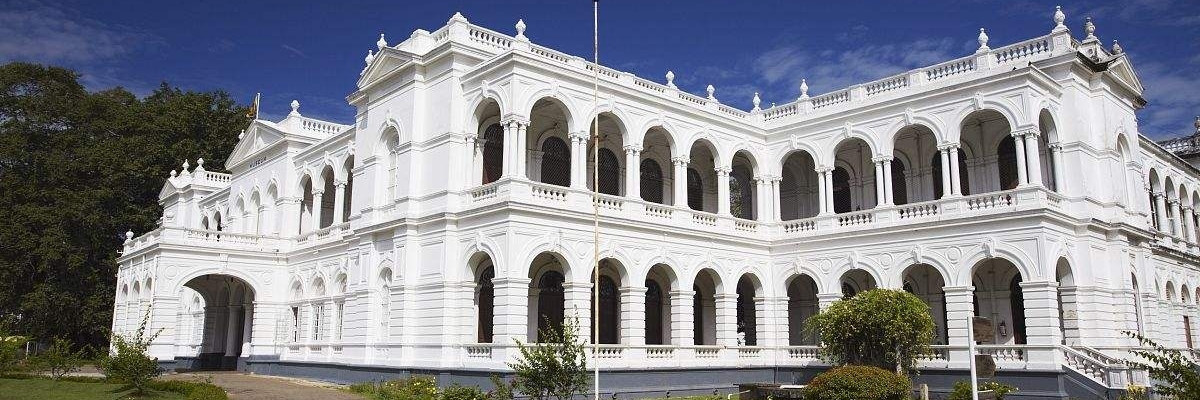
x,y
313,51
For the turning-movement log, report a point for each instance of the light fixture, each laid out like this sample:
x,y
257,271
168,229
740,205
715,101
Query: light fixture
x,y
1003,329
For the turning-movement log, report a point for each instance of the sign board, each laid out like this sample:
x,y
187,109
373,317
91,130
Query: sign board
x,y
985,366
983,330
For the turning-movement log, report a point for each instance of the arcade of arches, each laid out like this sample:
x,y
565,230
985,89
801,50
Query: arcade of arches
x,y
221,310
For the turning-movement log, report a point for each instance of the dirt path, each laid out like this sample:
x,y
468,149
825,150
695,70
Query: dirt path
x,y
242,386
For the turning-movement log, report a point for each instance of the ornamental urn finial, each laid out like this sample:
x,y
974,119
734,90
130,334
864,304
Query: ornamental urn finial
x,y
1059,18
381,43
671,79
295,108
186,165
710,91
1090,29
756,101
803,88
458,17
983,40
521,29
1116,48
370,57
174,174
200,163
128,235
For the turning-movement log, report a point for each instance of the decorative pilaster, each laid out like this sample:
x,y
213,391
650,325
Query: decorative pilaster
x,y
1189,226
579,159
883,182
726,316
317,209
514,148
682,318
959,310
825,190
1019,145
633,177
633,315
339,202
680,181
1042,320
944,154
1056,159
955,174
1176,221
722,190
1033,157
1160,201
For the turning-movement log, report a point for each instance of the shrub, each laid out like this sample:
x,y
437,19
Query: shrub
x,y
554,368
883,328
411,388
858,382
10,352
1178,375
460,392
962,389
193,390
59,360
502,390
129,362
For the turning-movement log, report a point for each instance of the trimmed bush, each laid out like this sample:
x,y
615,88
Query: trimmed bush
x,y
858,382
411,388
884,328
962,389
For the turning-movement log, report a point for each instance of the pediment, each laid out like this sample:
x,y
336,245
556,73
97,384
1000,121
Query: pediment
x,y
167,189
388,60
1122,69
258,136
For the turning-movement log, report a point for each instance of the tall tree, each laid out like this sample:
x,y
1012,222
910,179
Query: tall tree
x,y
77,169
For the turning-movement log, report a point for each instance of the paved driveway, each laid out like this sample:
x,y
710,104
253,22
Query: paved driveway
x,y
242,386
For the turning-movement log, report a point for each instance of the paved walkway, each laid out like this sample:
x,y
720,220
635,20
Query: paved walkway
x,y
243,386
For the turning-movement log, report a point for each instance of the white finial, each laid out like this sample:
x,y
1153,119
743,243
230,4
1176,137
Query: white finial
x,y
803,88
1059,17
983,39
710,91
200,163
1116,49
671,79
458,17
756,101
521,30
186,165
295,108
241,134
174,174
1090,29
128,235
370,57
381,43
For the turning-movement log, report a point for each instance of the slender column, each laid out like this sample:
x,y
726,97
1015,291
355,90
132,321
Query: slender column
x,y
633,315
959,308
880,184
1019,143
1033,157
1189,228
316,209
1176,221
825,190
510,310
339,202
521,155
888,189
947,189
1161,204
955,174
633,176
680,181
726,314
247,329
579,160
760,196
722,190
231,330
473,173
682,320
510,149
1056,160
776,214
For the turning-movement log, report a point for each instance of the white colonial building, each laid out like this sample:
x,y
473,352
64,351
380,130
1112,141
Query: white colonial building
x,y
454,217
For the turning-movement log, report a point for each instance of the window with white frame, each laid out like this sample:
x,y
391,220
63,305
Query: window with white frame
x,y
318,314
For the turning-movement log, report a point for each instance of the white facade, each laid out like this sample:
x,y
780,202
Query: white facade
x,y
457,211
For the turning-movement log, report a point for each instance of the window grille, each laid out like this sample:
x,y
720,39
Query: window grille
x,y
493,153
556,162
610,173
695,190
652,181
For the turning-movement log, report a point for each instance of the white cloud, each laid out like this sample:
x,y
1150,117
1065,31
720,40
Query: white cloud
x,y
1172,101
36,32
826,69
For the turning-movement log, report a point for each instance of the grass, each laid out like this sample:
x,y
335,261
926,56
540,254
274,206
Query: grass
x,y
46,389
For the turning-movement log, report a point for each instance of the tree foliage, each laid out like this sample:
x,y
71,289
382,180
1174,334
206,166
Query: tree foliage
x,y
78,169
1177,377
881,328
60,358
553,368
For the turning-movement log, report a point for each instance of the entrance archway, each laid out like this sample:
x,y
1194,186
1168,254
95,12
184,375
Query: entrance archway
x,y
228,319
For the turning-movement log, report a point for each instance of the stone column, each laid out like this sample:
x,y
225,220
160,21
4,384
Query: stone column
x,y
633,315
726,316
316,209
232,329
1033,157
247,329
760,196
579,160
890,191
1176,221
1161,202
1188,224
633,176
1057,165
768,320
959,310
680,181
578,303
825,189
682,318
473,173
521,155
776,214
723,190
1019,145
510,310
880,182
947,188
824,300
1042,320
339,202
955,174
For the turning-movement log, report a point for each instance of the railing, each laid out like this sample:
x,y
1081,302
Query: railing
x,y
609,202
484,192
917,210
708,352
218,177
937,353
856,218
549,192
489,38
990,201
327,128
830,99
804,352
209,236
780,111
1021,50
952,68
745,225
886,85
660,352
660,211
799,226
704,219
1002,353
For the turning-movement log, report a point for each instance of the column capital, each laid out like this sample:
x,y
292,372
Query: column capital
x,y
1173,201
1157,194
677,160
511,281
514,120
316,192
722,170
1039,285
339,184
633,148
578,135
948,146
824,168
632,290
1026,131
681,293
958,289
1186,208
882,158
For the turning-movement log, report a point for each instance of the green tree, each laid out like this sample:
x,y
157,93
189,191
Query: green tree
x,y
553,368
1176,375
880,328
78,169
128,362
60,359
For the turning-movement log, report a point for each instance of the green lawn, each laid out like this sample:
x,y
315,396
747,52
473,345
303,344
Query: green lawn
x,y
46,389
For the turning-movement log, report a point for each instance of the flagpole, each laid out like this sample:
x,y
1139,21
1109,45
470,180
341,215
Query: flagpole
x,y
257,104
595,204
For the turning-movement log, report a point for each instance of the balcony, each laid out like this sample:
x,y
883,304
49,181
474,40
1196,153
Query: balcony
x,y
205,239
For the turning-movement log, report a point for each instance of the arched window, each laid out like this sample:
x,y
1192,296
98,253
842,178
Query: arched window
x,y
487,296
550,303
841,190
963,179
695,190
493,153
1017,303
556,162
848,291
610,173
652,181
899,185
1006,161
654,314
741,193
609,311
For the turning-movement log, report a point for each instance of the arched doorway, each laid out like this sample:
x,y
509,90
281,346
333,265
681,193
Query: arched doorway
x,y
659,282
704,307
547,295
1068,321
609,307
747,313
802,304
485,297
924,281
998,297
856,281
228,320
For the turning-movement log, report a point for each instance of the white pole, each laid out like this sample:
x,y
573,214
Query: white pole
x,y
971,356
595,204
